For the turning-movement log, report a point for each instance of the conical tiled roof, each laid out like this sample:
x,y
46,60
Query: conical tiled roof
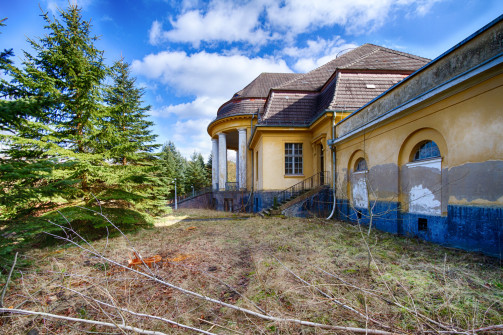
x,y
260,86
365,57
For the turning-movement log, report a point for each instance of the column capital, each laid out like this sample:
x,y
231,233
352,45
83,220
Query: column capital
x,y
241,129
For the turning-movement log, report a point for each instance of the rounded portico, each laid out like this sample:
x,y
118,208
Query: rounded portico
x,y
232,129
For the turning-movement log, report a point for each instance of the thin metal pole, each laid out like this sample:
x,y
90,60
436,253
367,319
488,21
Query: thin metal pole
x,y
176,202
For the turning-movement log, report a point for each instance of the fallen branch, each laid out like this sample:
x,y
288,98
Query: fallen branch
x,y
224,304
332,299
8,280
67,318
387,301
149,316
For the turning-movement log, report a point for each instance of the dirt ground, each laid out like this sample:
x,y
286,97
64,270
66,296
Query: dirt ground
x,y
307,269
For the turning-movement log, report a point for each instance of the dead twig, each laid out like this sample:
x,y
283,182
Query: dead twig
x,y
67,318
445,327
332,299
8,280
224,304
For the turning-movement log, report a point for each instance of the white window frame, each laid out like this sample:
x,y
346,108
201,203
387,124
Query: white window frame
x,y
294,155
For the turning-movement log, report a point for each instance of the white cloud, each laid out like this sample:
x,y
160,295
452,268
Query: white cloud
x,y
356,16
191,136
205,74
56,5
317,52
155,35
258,21
222,21
298,16
201,107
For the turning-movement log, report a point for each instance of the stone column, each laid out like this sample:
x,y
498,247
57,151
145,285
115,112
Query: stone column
x,y
214,164
241,168
222,161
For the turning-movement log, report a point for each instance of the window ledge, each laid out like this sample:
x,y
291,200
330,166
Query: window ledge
x,y
425,161
294,176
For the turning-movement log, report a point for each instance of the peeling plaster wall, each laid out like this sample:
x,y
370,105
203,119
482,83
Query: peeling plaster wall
x,y
359,192
422,185
476,183
457,201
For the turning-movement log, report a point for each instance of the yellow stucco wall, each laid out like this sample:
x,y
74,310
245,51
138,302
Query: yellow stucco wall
x,y
269,142
466,126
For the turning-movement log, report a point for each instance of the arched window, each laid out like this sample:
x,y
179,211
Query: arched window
x,y
428,149
361,165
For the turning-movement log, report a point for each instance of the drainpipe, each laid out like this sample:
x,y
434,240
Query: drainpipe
x,y
334,168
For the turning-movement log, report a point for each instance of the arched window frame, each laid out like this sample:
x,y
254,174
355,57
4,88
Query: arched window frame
x,y
426,150
361,165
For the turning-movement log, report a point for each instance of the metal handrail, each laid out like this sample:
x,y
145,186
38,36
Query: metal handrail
x,y
187,197
316,180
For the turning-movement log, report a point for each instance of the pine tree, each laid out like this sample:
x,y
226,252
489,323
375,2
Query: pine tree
x,y
27,169
15,106
209,169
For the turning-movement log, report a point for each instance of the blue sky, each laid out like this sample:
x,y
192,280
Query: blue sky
x,y
191,56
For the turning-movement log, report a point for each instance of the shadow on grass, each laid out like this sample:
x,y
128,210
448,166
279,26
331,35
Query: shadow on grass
x,y
38,232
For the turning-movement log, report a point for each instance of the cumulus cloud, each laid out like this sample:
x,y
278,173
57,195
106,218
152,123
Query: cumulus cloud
x,y
205,74
156,34
317,52
222,21
201,107
259,21
298,16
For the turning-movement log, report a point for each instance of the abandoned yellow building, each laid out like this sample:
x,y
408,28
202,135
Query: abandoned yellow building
x,y
377,136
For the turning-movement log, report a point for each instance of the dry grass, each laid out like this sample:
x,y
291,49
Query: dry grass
x,y
236,260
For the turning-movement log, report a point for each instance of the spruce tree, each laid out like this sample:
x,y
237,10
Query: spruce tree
x,y
174,166
196,172
209,169
125,139
64,78
15,105
129,134
50,157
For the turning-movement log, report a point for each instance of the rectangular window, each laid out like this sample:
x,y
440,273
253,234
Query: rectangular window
x,y
256,166
293,159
